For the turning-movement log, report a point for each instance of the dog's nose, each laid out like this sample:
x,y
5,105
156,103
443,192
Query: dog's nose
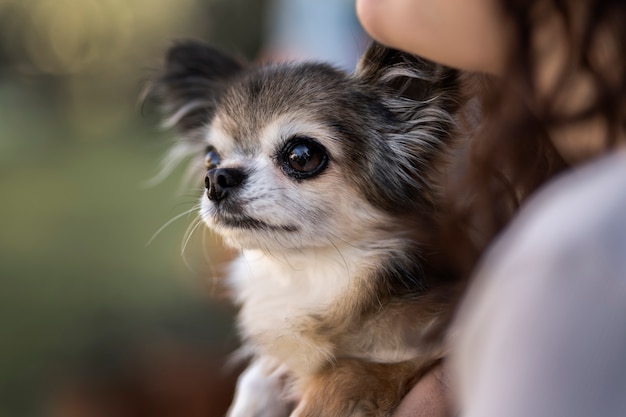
x,y
219,182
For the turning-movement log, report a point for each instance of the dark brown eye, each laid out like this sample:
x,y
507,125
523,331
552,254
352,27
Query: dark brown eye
x,y
211,158
304,158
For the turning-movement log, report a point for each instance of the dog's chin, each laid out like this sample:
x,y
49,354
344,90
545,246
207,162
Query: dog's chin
x,y
247,223
246,232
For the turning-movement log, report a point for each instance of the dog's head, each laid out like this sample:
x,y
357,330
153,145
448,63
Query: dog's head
x,y
305,155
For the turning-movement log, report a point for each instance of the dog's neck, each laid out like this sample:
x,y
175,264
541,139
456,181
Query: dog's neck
x,y
297,274
313,266
280,292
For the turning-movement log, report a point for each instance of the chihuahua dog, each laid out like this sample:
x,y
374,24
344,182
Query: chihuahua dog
x,y
325,181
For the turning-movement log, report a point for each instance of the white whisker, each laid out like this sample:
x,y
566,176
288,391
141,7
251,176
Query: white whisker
x,y
169,222
343,258
205,247
190,231
213,278
197,221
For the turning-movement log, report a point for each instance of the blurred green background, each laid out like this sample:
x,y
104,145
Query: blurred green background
x,y
81,293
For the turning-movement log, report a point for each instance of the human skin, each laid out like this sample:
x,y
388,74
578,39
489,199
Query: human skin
x,y
465,34
428,398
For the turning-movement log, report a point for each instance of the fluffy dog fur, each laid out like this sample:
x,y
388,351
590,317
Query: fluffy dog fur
x,y
325,181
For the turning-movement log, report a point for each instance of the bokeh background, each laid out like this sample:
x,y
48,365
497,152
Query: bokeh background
x,y
99,317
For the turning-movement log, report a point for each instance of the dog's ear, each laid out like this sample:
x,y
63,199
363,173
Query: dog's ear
x,y
407,76
193,79
420,99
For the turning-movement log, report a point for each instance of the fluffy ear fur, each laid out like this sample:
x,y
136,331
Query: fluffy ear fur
x,y
422,98
408,76
191,83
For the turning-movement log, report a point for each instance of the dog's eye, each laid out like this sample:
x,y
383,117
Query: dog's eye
x,y
211,158
304,158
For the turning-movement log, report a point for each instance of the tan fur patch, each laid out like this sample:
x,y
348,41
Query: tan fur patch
x,y
351,387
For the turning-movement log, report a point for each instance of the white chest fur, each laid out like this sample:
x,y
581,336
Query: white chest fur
x,y
278,294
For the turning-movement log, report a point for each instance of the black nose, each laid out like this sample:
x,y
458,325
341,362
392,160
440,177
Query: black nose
x,y
220,181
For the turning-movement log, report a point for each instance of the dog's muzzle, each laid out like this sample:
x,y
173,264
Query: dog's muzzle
x,y
219,182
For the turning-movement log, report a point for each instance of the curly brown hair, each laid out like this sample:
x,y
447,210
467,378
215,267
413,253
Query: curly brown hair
x,y
516,147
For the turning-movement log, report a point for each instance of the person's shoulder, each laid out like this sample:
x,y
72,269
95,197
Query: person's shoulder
x,y
577,218
579,202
